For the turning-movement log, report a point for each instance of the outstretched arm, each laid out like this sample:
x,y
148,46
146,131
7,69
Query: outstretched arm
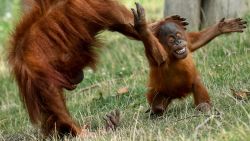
x,y
154,50
120,19
199,39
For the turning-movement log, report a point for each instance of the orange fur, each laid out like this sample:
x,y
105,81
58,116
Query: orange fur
x,y
176,78
51,45
169,48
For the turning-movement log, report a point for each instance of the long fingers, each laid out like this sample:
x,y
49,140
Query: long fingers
x,y
140,11
135,14
177,19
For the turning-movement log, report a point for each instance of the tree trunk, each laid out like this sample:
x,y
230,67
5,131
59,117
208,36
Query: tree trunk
x,y
189,9
214,10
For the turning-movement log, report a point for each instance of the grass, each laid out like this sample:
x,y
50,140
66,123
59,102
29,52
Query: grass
x,y
224,64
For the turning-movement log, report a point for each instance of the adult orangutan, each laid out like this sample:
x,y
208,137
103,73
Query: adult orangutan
x,y
172,71
54,41
51,45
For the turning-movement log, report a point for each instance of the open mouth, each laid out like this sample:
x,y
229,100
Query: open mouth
x,y
180,51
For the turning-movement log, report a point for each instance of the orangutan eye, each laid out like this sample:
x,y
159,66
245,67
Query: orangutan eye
x,y
178,35
170,39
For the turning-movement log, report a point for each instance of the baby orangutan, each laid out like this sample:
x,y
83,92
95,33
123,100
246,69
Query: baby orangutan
x,y
169,48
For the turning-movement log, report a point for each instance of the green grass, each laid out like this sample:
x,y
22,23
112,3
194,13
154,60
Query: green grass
x,y
224,64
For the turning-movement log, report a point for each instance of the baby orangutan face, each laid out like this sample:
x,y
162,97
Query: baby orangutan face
x,y
172,37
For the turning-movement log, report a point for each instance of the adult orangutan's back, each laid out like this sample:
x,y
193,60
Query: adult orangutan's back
x,y
51,46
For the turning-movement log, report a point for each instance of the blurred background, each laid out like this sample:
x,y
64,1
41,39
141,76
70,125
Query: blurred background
x,y
202,13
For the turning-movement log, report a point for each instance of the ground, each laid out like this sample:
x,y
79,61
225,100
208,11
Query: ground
x,y
223,64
